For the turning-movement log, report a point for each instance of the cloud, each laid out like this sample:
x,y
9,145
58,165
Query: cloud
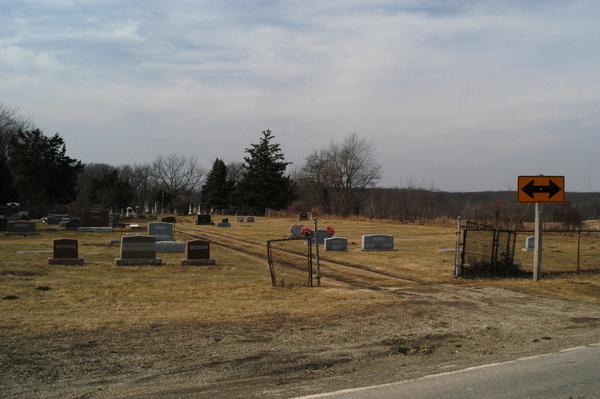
x,y
442,88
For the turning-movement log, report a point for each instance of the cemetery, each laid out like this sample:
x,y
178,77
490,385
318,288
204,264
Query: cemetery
x,y
204,305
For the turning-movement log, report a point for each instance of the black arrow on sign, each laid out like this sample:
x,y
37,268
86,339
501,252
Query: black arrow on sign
x,y
531,189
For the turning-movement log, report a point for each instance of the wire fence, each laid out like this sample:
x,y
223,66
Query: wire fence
x,y
290,262
488,251
562,251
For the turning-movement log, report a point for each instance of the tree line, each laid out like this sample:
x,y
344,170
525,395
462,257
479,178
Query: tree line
x,y
337,180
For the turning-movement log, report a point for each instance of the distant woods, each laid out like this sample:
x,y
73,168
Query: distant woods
x,y
338,180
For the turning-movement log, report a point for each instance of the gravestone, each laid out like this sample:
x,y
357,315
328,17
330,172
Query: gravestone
x,y
250,219
72,224
138,250
224,223
239,219
162,231
197,253
303,216
336,244
204,220
529,244
377,242
169,219
56,219
21,228
170,247
65,252
95,218
321,236
3,224
295,231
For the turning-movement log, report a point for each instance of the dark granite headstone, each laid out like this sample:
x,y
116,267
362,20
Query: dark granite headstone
x,y
95,218
21,227
204,220
303,216
65,252
197,253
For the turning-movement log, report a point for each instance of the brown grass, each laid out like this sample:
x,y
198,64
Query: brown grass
x,y
101,295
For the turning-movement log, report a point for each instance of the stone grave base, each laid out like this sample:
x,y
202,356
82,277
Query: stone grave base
x,y
161,237
138,228
224,225
375,249
170,247
66,261
13,233
138,262
95,229
197,262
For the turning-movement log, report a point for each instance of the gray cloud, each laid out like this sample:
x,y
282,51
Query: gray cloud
x,y
460,95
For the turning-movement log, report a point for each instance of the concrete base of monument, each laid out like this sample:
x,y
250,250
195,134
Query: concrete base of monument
x,y
197,262
138,262
66,261
95,229
24,233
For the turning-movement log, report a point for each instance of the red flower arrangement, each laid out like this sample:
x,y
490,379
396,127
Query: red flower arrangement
x,y
306,232
331,231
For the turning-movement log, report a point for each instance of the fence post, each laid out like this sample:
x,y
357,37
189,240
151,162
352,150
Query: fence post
x,y
578,248
316,239
457,254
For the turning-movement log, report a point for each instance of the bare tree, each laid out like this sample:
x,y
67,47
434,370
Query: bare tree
x,y
176,177
343,172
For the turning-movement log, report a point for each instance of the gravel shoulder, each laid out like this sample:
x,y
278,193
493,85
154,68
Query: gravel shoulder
x,y
431,332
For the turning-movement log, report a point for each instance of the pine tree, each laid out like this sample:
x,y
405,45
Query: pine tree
x,y
216,189
264,183
43,174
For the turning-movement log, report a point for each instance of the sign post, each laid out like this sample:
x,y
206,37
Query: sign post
x,y
540,189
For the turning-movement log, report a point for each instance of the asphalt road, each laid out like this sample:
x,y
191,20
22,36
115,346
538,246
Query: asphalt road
x,y
569,374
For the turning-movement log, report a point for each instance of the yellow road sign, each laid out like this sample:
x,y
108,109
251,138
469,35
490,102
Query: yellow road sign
x,y
541,189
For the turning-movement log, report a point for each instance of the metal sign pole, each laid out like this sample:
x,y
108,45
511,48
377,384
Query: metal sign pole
x,y
537,250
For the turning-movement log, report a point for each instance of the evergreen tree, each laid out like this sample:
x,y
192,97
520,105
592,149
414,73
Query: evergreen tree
x,y
217,188
42,173
264,183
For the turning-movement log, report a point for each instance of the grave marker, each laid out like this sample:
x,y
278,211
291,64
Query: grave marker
x,y
20,227
138,250
197,253
204,220
296,231
162,231
377,242
303,216
65,252
336,244
224,223
95,218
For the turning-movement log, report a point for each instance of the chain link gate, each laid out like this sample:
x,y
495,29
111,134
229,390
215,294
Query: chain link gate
x,y
290,262
487,251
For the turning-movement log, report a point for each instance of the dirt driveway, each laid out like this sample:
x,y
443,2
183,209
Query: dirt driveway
x,y
451,328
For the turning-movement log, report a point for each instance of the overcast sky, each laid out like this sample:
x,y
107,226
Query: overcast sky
x,y
454,95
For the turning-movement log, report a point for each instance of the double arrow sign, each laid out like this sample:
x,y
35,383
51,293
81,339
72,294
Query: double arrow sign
x,y
541,189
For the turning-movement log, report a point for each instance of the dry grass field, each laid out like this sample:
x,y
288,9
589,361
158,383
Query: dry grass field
x,y
80,317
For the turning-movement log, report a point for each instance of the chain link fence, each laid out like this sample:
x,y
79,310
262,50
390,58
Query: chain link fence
x,y
488,251
562,251
290,262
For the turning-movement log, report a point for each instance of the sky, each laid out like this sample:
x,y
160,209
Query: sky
x,y
453,95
